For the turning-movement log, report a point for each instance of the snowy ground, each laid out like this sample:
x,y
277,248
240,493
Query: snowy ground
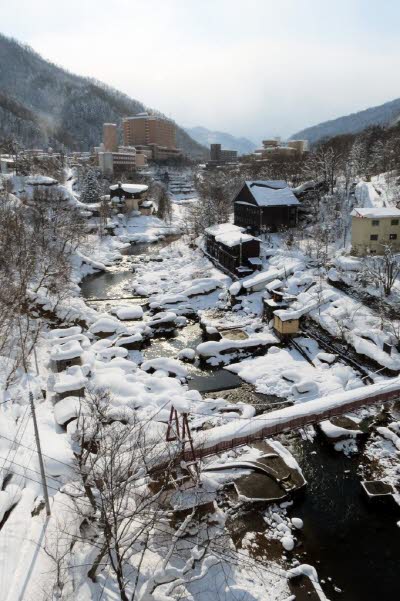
x,y
184,282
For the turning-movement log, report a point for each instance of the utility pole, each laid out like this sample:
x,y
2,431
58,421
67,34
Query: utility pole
x,y
39,450
36,361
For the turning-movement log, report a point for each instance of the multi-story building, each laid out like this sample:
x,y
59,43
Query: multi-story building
x,y
218,156
113,163
153,133
271,143
110,137
300,146
275,148
114,159
373,229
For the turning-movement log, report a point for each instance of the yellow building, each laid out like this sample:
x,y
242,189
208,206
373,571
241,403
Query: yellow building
x,y
286,324
372,229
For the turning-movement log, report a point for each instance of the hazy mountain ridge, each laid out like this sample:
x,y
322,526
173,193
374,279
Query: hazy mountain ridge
x,y
205,136
43,104
384,114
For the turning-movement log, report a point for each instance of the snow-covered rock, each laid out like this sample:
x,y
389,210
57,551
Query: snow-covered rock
x,y
128,312
167,365
287,542
70,380
187,354
66,409
106,325
66,350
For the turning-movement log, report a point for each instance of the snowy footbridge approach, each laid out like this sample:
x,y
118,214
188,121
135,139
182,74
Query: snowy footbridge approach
x,y
243,431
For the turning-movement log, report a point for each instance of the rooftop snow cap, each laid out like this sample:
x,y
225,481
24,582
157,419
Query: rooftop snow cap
x,y
222,228
130,188
271,193
375,212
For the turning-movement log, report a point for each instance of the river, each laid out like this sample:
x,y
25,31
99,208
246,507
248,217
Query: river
x,y
354,545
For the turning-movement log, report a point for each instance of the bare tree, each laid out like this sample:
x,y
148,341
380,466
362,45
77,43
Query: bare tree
x,y
127,496
36,243
324,165
382,271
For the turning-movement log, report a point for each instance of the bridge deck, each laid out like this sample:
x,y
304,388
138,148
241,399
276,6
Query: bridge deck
x,y
247,430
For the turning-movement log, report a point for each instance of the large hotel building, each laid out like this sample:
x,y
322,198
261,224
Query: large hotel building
x,y
152,132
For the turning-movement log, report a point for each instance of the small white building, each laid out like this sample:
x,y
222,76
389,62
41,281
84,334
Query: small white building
x,y
7,165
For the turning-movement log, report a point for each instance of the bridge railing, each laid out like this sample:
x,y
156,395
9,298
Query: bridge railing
x,y
293,424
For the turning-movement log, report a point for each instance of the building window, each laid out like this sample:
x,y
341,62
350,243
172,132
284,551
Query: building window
x,y
394,222
392,236
373,237
375,222
372,252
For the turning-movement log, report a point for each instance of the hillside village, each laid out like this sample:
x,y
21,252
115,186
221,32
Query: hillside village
x,y
199,367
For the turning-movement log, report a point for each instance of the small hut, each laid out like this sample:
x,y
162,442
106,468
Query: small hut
x,y
286,322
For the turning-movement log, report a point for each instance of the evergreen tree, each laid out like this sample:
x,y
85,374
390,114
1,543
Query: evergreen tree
x,y
91,189
164,209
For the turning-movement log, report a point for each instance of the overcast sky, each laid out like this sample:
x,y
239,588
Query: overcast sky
x,y
253,68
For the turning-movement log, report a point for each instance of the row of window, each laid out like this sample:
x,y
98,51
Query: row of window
x,y
375,237
376,222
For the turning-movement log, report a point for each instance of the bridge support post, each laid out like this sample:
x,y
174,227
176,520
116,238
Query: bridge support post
x,y
178,430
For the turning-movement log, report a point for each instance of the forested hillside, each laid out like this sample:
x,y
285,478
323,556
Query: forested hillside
x,y
384,114
42,104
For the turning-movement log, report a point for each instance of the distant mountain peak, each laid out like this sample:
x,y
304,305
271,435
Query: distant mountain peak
x,y
205,136
383,114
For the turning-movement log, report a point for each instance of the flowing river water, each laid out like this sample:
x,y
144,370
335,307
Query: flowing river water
x,y
354,544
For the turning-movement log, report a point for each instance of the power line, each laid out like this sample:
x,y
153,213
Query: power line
x,y
30,468
14,442
20,444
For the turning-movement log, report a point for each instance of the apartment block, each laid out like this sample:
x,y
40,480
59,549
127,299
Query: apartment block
x,y
373,229
110,137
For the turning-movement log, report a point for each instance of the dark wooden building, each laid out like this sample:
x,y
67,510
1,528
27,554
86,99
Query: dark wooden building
x,y
128,191
235,250
132,195
265,206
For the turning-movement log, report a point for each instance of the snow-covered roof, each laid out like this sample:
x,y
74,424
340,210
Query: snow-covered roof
x,y
222,228
255,261
68,350
130,188
274,285
233,238
298,310
271,193
375,212
40,180
303,187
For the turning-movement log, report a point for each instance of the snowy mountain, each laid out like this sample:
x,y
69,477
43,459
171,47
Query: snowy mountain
x,y
43,104
384,114
205,137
